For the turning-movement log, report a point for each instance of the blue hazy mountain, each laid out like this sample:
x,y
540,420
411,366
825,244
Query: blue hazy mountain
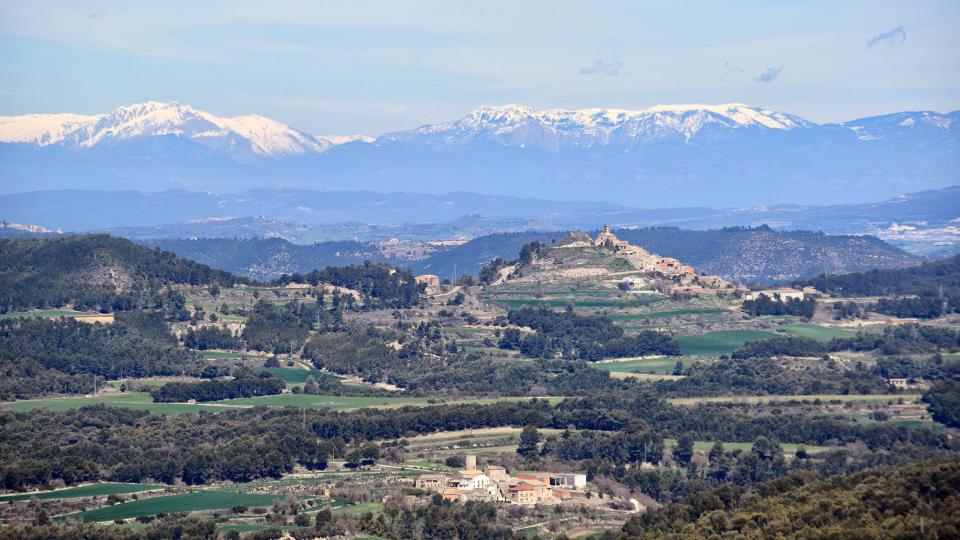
x,y
728,155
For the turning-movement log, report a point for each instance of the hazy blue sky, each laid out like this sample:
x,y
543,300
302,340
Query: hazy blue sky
x,y
369,67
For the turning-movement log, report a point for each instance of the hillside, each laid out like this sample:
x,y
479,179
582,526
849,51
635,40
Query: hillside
x,y
267,258
918,500
760,254
748,255
92,272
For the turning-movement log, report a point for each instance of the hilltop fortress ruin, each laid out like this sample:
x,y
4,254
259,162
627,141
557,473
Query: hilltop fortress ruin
x,y
629,267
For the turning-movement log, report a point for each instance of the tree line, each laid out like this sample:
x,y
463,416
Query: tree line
x,y
41,356
569,335
243,384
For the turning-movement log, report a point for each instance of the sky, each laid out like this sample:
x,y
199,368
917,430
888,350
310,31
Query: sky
x,y
369,67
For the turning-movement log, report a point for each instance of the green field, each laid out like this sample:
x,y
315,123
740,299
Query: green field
x,y
666,314
663,366
822,397
221,355
817,332
143,401
788,448
49,313
720,342
359,508
90,490
468,330
252,527
313,401
564,302
295,375
186,502
129,400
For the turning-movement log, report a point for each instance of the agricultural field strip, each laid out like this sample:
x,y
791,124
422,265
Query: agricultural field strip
x,y
705,446
784,398
138,400
183,502
84,490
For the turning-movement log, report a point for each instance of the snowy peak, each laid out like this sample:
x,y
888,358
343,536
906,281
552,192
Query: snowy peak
x,y
41,129
555,129
241,134
903,123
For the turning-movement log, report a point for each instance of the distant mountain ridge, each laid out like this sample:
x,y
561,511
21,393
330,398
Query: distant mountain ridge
x,y
925,223
727,155
743,255
746,255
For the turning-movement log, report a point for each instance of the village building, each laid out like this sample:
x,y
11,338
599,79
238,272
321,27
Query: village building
x,y
523,493
811,291
564,480
429,280
496,473
431,482
899,383
608,239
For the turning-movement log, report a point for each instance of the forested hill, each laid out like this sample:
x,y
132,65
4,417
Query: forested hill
x,y
97,272
918,500
469,258
761,254
934,277
750,255
267,258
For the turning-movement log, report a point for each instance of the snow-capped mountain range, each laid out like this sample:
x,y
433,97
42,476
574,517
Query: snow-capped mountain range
x,y
258,134
512,125
556,129
731,154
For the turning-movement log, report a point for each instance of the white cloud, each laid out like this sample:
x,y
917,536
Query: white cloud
x,y
601,67
891,37
769,75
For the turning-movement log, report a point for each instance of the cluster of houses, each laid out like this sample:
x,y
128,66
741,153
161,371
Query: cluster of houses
x,y
684,279
494,484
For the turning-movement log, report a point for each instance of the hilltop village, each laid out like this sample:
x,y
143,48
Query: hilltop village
x,y
683,278
638,270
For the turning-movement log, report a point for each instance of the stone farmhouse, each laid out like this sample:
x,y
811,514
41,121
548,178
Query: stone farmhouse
x,y
494,484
